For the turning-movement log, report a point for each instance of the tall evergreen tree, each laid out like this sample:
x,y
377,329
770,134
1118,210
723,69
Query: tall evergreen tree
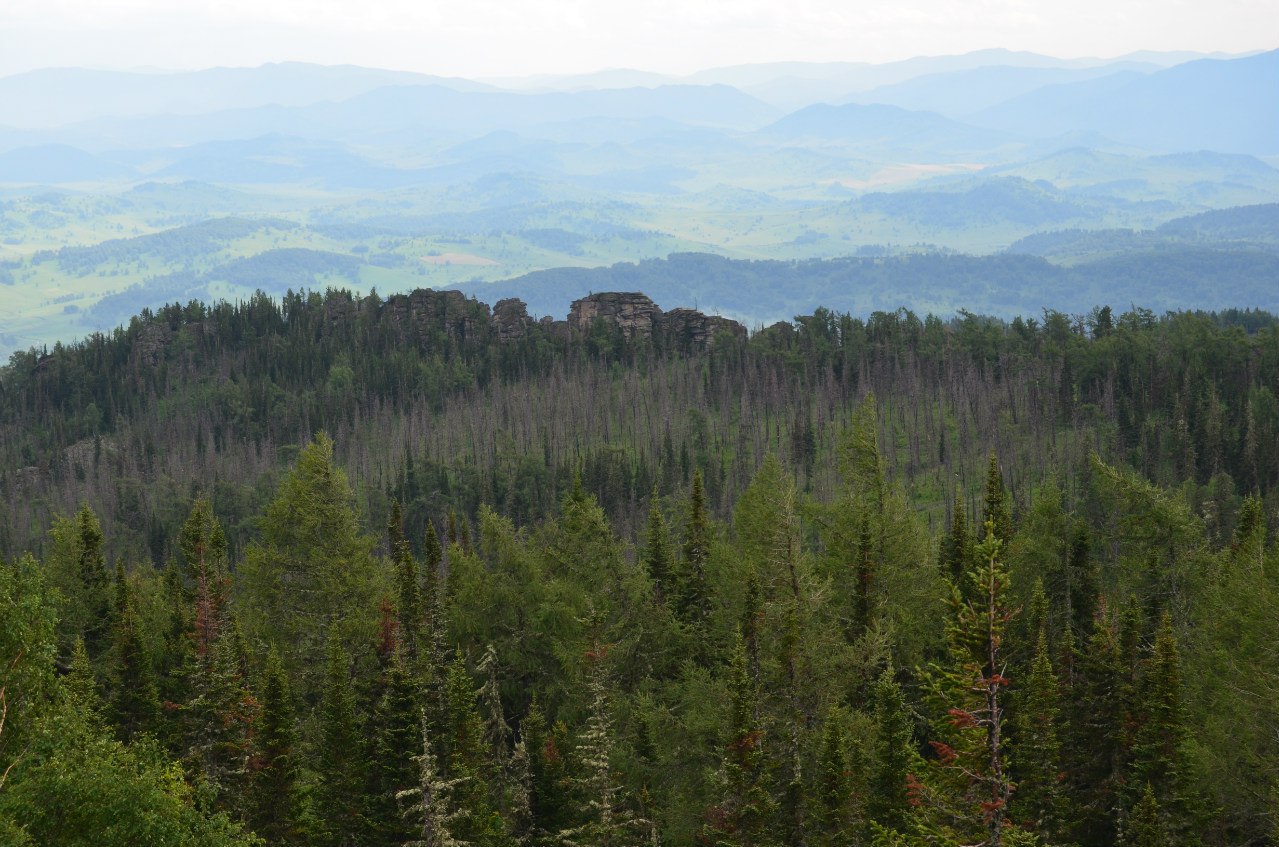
x,y
607,818
659,557
956,556
340,759
408,585
136,703
1145,827
833,820
396,731
94,585
1040,801
967,795
996,514
430,810
896,761
274,802
693,600
1158,758
743,815
1096,739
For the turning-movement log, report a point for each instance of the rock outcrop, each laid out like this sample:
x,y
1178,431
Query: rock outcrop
x,y
690,329
511,319
634,312
426,311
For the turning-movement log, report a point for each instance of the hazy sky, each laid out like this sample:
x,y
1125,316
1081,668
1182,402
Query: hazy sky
x,y
480,38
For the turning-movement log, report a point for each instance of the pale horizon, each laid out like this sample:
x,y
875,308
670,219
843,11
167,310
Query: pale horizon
x,y
520,38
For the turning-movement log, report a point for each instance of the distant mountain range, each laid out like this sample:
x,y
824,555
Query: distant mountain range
x,y
374,178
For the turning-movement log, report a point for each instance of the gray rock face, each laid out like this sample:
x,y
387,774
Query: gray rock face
x,y
511,318
635,313
693,330
424,311
639,317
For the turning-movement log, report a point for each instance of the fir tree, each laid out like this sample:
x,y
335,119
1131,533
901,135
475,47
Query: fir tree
x,y
967,795
463,742
396,731
219,719
693,602
91,568
607,819
548,796
833,818
1145,827
1040,799
1158,760
896,760
408,586
340,760
1094,753
81,687
742,816
659,557
956,554
274,802
429,808
136,704
996,515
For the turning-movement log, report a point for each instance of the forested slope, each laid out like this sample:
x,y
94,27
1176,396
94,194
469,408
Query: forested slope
x,y
377,571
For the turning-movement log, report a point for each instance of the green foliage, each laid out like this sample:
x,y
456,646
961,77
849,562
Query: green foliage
x,y
274,801
84,789
313,570
341,761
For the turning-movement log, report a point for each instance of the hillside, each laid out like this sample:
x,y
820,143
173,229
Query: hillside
x,y
331,516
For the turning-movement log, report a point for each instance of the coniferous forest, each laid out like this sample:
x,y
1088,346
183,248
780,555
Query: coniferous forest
x,y
334,570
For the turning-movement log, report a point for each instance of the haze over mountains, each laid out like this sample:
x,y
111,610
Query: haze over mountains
x,y
405,180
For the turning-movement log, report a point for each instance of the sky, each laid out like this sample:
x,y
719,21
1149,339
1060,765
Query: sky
x,y
494,38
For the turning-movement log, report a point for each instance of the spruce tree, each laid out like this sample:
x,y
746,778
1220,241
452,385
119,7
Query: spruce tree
x,y
408,586
135,704
396,731
967,793
340,760
1040,801
742,817
896,759
833,818
1096,738
81,686
956,554
693,601
659,557
1144,827
463,743
996,515
606,819
91,567
274,802
1158,760
550,806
